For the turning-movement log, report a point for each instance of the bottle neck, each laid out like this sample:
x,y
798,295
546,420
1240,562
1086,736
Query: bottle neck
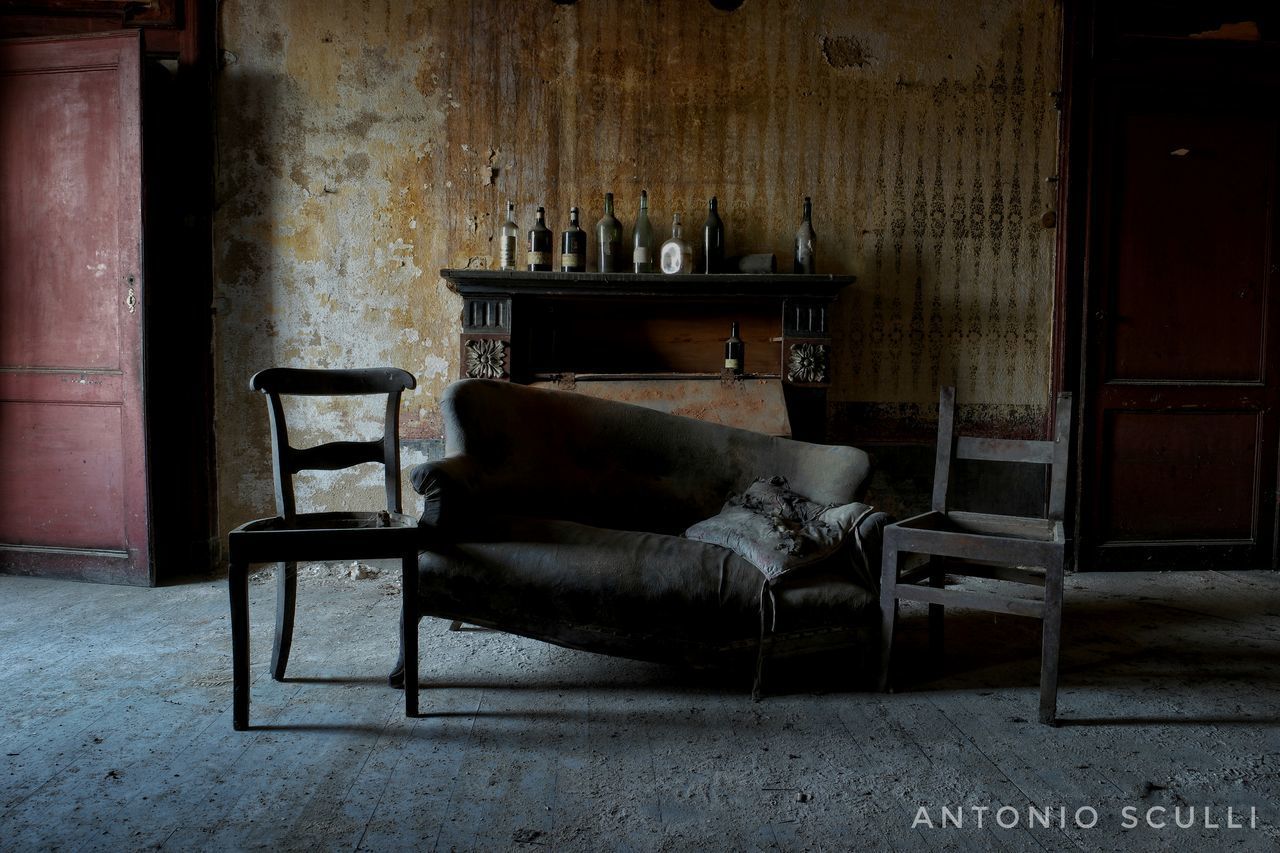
x,y
733,330
711,205
808,210
675,227
608,204
573,217
542,216
644,202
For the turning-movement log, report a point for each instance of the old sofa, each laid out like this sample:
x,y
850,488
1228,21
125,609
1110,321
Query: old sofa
x,y
559,516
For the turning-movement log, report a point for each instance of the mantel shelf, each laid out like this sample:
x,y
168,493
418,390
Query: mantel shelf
x,y
621,285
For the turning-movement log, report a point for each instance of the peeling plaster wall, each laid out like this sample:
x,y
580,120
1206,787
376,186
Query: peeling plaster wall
x,y
363,146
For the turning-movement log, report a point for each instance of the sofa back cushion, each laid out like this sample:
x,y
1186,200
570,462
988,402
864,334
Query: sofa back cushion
x,y
557,454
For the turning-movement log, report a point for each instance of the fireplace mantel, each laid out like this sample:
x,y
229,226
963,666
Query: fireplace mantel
x,y
563,327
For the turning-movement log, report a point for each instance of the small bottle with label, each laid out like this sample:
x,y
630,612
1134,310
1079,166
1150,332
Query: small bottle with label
x,y
806,242
642,251
609,238
734,355
508,236
677,254
573,246
540,244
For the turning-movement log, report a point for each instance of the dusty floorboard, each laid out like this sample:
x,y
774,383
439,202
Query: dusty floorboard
x,y
116,731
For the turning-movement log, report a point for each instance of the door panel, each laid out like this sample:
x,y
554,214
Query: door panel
x,y
73,498
1181,384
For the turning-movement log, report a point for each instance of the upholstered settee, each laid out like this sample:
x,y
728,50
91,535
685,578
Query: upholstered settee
x,y
560,517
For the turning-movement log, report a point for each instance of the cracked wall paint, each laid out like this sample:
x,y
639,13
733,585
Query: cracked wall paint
x,y
363,146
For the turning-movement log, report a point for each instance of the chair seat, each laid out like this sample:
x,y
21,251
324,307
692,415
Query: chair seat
x,y
980,524
324,536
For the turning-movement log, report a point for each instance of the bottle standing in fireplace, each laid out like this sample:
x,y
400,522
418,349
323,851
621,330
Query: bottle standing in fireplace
x,y
573,246
734,356
642,251
609,238
540,244
677,254
508,236
713,240
806,241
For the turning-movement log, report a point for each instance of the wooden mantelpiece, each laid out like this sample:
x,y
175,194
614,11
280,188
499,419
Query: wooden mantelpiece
x,y
529,327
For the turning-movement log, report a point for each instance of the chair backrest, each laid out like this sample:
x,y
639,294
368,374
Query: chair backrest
x,y
332,456
1053,453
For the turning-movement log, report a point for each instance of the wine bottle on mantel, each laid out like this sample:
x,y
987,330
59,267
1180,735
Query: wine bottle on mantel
x,y
713,240
609,238
573,246
540,244
677,254
806,241
508,236
642,251
734,355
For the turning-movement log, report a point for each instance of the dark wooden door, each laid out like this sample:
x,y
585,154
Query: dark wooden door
x,y
73,496
1181,318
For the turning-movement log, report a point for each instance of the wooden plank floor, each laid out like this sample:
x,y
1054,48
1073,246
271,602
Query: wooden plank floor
x,y
115,731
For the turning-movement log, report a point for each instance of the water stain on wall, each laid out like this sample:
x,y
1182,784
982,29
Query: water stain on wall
x,y
364,146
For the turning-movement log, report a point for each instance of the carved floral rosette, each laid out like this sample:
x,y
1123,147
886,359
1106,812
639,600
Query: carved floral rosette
x,y
807,363
486,358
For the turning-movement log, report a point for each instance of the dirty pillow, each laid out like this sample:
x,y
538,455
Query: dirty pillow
x,y
778,530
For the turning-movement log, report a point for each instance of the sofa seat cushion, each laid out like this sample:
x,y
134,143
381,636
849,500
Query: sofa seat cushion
x,y
642,595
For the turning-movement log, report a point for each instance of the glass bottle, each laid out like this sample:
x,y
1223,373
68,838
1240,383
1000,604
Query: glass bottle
x,y
642,244
806,241
540,244
609,238
677,254
713,240
573,246
508,236
734,355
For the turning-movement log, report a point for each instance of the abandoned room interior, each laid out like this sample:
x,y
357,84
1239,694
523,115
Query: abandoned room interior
x,y
639,424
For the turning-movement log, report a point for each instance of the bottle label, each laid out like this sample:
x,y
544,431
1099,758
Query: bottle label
x,y
640,255
539,258
570,259
507,253
731,364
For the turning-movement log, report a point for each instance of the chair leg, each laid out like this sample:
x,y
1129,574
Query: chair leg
x,y
1051,643
238,587
937,613
888,608
409,618
286,599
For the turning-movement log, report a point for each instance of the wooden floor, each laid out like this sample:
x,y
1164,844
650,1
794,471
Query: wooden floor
x,y
115,723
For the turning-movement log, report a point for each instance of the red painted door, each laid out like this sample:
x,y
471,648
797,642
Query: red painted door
x,y
1183,367
73,496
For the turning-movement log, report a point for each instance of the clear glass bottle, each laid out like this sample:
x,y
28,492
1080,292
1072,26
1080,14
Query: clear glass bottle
x,y
806,241
539,258
609,238
573,246
713,240
508,237
734,354
677,255
642,243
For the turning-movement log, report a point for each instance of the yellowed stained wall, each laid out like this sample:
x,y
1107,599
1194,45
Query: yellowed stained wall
x,y
362,146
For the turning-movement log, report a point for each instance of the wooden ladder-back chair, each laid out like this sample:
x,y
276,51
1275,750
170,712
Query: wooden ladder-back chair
x,y
969,544
290,536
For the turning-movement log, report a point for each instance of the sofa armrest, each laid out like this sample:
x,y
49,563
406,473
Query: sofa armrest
x,y
448,487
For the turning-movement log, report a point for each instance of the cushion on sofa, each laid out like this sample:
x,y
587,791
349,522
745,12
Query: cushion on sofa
x,y
778,530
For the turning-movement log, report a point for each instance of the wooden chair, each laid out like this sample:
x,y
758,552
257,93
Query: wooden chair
x,y
290,536
972,544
